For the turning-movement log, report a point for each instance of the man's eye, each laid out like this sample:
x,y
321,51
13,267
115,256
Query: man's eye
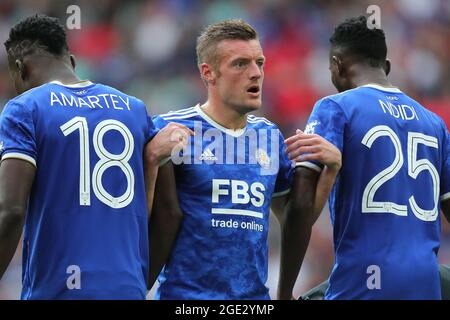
x,y
240,64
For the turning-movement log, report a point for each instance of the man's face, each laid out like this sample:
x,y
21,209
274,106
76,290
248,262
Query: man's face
x,y
240,74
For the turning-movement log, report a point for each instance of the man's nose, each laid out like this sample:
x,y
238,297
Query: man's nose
x,y
255,71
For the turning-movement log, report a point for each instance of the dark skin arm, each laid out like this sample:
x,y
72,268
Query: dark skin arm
x,y
165,221
306,201
277,206
445,207
16,179
300,217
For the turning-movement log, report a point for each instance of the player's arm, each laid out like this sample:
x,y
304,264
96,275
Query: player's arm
x,y
165,221
16,179
307,198
278,205
296,229
445,207
170,138
312,147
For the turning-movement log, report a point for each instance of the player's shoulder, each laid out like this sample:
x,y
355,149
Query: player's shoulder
x,y
260,122
183,116
432,118
27,98
348,100
111,90
341,97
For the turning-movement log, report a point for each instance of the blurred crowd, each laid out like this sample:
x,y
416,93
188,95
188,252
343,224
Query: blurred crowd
x,y
147,49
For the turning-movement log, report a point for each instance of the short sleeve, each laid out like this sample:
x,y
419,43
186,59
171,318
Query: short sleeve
x,y
151,128
159,122
445,176
17,133
327,120
286,171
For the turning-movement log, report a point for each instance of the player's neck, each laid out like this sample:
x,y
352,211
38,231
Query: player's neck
x,y
370,76
59,71
223,115
65,77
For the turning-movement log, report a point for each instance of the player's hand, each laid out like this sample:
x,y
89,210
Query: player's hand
x,y
172,138
307,147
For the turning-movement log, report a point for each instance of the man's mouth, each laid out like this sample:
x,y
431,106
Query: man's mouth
x,y
253,90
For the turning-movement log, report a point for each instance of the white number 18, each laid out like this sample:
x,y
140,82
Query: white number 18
x,y
107,160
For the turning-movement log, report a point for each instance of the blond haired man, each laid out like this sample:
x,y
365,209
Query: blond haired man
x,y
213,200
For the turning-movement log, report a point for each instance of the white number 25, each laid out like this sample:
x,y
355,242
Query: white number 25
x,y
415,166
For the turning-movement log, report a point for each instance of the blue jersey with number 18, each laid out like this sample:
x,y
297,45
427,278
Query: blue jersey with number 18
x,y
85,234
386,200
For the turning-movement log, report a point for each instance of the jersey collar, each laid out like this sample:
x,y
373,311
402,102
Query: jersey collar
x,y
79,84
379,87
234,133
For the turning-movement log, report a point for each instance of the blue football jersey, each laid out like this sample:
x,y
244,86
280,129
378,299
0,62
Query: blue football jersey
x,y
85,234
225,182
385,203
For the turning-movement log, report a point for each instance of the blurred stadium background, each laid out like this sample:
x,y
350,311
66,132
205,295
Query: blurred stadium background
x,y
147,49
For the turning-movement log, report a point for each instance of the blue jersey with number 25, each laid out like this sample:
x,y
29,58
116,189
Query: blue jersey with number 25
x,y
385,203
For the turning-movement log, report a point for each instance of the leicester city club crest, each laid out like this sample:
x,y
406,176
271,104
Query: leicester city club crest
x,y
262,158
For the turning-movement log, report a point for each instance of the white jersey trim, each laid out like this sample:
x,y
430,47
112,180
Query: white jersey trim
x,y
379,87
179,112
179,117
21,156
234,133
238,212
80,84
309,165
253,119
445,196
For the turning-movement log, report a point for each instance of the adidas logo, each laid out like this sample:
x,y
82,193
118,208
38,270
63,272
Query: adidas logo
x,y
208,155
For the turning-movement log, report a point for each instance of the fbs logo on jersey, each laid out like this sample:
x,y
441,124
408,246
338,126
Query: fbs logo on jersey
x,y
208,155
262,158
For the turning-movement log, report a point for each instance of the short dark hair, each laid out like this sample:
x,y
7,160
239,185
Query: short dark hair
x,y
234,29
37,33
355,37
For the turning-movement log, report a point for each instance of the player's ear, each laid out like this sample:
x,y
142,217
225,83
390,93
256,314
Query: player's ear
x,y
208,73
336,65
72,61
21,68
387,66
